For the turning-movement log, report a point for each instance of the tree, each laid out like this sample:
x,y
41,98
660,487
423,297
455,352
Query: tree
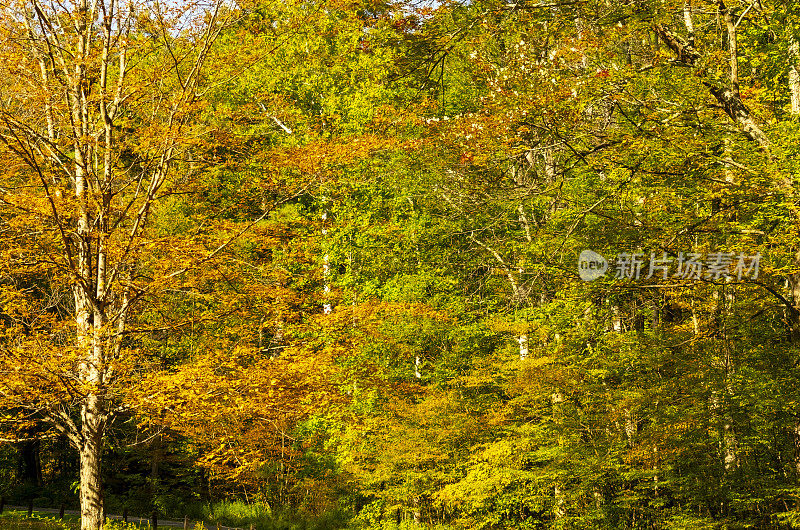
x,y
97,125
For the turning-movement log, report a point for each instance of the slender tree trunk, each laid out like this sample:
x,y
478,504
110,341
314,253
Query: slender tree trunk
x,y
655,470
721,400
796,440
523,346
559,509
794,75
327,307
631,428
518,292
156,456
793,317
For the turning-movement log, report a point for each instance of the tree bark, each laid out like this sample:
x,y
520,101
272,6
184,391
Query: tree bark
x,y
523,346
794,75
796,440
91,493
327,307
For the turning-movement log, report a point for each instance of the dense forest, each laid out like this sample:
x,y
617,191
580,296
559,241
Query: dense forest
x,y
371,264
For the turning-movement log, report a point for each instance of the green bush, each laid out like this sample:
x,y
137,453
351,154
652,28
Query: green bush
x,y
262,517
116,524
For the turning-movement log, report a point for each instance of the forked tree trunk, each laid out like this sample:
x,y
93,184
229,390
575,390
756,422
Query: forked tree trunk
x,y
727,94
82,49
89,323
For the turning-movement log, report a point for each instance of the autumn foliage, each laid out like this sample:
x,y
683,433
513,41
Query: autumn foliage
x,y
320,258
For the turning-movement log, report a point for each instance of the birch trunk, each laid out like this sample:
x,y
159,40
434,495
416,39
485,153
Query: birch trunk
x,y
523,346
327,307
794,75
559,508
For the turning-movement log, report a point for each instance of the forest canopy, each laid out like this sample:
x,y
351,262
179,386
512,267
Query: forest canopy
x,y
371,264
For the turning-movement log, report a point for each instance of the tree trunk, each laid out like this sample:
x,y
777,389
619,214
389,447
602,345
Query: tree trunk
x,y
792,314
729,442
92,341
794,76
631,428
327,307
518,292
156,456
729,97
727,94
91,494
523,346
796,440
559,511
30,466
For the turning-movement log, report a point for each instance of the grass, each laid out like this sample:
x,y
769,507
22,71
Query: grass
x,y
236,513
263,517
11,520
228,513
